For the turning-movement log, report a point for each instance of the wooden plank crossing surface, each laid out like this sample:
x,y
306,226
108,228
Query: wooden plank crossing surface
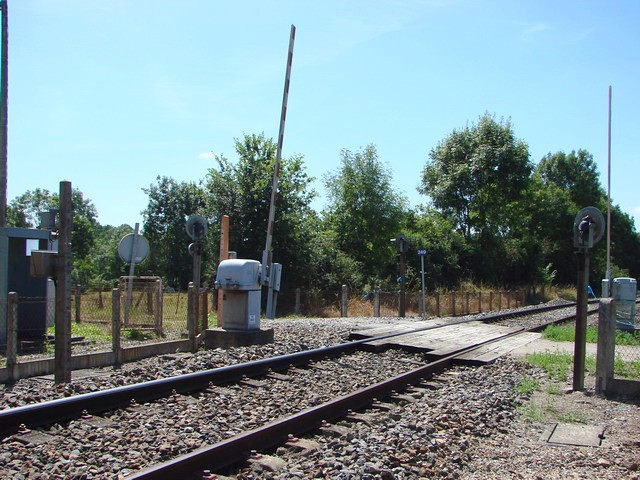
x,y
447,339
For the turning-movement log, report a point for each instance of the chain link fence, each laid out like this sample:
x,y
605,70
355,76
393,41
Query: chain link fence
x,y
627,346
341,303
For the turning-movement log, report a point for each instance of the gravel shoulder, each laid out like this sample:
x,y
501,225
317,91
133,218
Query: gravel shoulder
x,y
521,451
477,424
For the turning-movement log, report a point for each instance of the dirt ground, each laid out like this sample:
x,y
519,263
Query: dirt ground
x,y
522,451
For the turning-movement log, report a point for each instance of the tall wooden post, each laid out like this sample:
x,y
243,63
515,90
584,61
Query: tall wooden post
x,y
224,255
344,301
62,372
116,327
376,302
403,302
580,345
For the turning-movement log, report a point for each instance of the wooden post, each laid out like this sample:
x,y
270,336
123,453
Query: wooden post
x,y
297,307
344,301
157,310
453,304
78,300
479,302
467,303
192,315
205,309
224,255
116,327
490,301
606,344
402,299
580,345
62,371
12,336
376,302
499,300
437,304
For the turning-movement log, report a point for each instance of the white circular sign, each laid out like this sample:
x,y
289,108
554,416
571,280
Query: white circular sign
x,y
126,248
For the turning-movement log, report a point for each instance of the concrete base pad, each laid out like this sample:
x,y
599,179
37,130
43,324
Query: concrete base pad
x,y
574,435
221,338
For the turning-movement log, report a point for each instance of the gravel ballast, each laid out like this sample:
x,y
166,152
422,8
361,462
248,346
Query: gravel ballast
x,y
467,423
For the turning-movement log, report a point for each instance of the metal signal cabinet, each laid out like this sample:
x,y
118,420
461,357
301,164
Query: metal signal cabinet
x,y
624,292
239,280
16,245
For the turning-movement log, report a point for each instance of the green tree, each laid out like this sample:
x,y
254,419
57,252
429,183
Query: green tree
x,y
242,190
429,229
572,182
476,174
477,177
23,212
575,173
105,260
364,211
164,219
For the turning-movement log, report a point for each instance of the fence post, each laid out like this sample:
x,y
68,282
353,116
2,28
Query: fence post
x,y
116,327
192,314
453,304
606,344
376,302
150,303
297,307
437,304
479,302
157,310
205,309
467,303
499,300
62,360
12,336
344,301
78,301
490,301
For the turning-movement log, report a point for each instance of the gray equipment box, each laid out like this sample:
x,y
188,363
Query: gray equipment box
x,y
239,280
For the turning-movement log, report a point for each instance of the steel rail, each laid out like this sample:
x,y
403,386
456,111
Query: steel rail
x,y
62,409
234,449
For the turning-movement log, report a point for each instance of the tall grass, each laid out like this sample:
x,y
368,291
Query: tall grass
x,y
567,332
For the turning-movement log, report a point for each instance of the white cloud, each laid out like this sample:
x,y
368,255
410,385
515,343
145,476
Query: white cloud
x,y
534,29
207,155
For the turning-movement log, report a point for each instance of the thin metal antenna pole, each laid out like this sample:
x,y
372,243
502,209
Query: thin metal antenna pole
x,y
608,274
4,72
266,255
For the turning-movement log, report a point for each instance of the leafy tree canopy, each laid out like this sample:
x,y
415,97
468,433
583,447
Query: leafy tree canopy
x,y
364,210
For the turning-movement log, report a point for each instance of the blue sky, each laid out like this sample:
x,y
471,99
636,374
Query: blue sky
x,y
112,94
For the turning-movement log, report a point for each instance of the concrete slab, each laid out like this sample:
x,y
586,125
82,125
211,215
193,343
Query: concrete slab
x,y
543,345
571,434
221,338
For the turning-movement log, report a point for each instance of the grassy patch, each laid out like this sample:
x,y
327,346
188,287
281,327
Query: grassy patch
x,y
98,332
566,333
627,338
557,365
528,385
139,335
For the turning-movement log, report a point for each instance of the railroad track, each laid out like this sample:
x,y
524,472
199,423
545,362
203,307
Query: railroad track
x,y
175,396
